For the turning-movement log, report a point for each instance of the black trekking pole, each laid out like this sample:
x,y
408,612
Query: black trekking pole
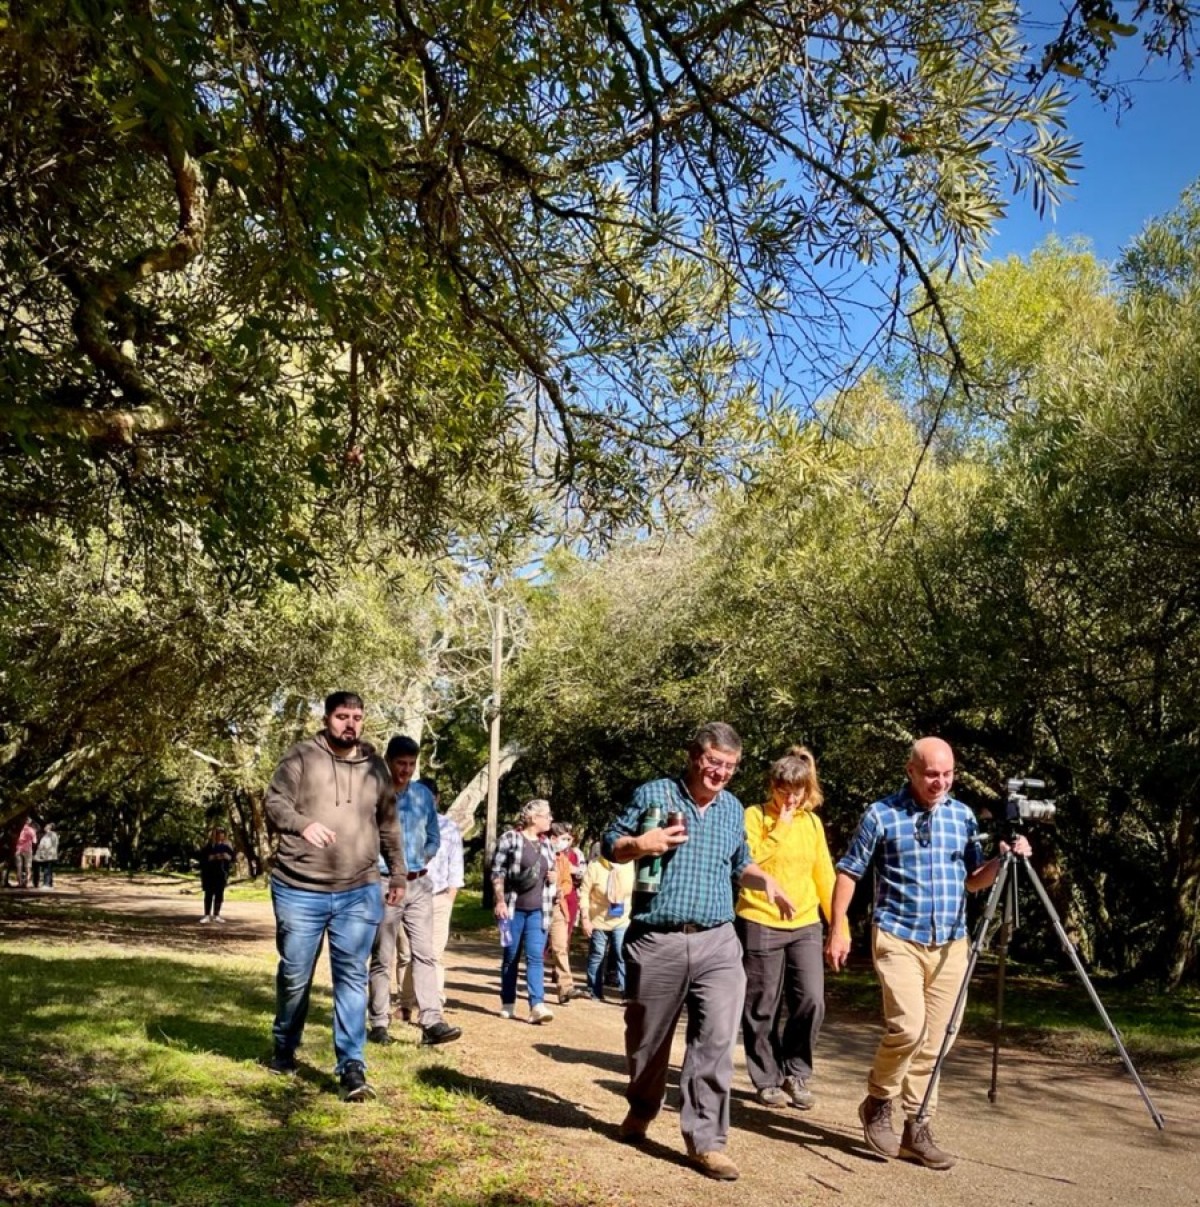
x,y
1010,919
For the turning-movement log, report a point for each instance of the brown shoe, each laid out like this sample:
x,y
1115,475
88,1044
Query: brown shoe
x,y
918,1144
632,1129
876,1116
715,1165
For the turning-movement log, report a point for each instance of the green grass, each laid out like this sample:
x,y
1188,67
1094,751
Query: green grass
x,y
469,913
131,1077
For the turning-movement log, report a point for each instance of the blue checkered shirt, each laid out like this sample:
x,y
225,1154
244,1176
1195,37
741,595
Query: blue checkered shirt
x,y
698,877
921,860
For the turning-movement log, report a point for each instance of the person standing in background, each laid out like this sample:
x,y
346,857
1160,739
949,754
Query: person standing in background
x,y
607,901
45,857
524,885
216,859
23,849
567,874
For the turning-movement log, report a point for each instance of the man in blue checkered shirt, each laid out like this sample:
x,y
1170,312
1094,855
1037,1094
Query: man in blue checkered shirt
x,y
681,948
923,847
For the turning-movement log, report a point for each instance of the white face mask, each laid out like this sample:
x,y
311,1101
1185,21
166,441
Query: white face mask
x,y
562,844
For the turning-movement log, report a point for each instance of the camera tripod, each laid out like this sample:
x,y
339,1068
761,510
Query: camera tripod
x,y
1004,889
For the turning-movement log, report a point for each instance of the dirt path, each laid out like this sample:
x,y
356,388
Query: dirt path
x,y
1061,1133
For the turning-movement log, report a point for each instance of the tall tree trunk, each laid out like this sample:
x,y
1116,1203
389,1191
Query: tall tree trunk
x,y
1182,924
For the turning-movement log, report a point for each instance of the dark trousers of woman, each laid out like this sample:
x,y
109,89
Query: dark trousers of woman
x,y
214,896
785,1001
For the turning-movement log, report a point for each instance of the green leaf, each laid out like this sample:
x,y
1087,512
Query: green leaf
x,y
879,122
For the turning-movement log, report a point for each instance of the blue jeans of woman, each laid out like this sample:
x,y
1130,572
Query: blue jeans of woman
x,y
302,920
527,925
598,948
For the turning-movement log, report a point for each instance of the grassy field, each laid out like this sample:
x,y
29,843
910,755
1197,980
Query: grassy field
x,y
131,1077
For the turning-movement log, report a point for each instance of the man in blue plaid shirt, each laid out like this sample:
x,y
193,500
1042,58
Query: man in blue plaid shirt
x,y
923,846
681,948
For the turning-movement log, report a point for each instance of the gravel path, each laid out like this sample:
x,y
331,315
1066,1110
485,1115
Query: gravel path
x,y
1060,1134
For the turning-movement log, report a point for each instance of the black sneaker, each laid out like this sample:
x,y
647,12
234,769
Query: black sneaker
x,y
354,1083
379,1035
440,1033
282,1062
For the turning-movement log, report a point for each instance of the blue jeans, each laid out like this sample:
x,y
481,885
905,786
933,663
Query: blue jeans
x,y
302,919
598,946
527,924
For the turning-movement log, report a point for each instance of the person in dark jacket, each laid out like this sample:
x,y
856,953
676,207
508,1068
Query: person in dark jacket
x,y
215,861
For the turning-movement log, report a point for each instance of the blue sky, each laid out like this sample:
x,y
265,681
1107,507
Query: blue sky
x,y
1136,164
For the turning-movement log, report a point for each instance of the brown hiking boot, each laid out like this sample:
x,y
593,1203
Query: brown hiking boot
x,y
876,1116
715,1165
633,1130
918,1144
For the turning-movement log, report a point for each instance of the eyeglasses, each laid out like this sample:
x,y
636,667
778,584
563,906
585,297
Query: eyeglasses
x,y
714,764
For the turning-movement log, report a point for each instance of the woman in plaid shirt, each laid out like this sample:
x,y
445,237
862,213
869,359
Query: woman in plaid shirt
x,y
524,889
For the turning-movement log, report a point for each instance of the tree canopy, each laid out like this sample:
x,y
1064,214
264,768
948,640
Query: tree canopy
x,y
269,267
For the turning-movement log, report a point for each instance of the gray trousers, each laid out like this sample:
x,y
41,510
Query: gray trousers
x,y
415,915
665,973
785,1001
443,908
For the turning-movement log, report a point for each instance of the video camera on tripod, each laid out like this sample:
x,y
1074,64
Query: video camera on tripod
x,y
1020,807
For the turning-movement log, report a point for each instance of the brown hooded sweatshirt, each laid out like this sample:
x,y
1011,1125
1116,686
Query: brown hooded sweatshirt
x,y
354,797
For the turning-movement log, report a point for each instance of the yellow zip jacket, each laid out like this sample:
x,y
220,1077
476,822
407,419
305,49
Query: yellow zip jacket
x,y
797,855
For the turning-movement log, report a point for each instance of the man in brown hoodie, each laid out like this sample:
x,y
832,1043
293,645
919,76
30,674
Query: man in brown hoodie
x,y
332,804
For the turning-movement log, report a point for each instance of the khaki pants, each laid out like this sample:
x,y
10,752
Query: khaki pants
x,y
443,906
919,986
560,948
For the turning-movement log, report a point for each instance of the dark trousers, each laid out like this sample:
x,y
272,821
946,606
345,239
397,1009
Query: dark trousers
x,y
214,896
785,1001
665,973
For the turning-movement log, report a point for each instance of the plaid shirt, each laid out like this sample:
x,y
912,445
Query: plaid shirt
x,y
508,858
697,877
921,859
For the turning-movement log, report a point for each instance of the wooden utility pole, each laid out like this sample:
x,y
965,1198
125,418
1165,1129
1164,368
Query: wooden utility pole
x,y
493,785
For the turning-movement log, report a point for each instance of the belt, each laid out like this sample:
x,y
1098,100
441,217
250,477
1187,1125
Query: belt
x,y
416,875
679,928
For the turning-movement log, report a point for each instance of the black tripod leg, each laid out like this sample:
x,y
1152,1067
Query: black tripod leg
x,y
1073,955
1007,924
977,945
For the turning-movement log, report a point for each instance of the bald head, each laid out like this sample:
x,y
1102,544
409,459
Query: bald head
x,y
930,771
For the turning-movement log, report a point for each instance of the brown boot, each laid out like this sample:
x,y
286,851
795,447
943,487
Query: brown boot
x,y
918,1143
715,1165
633,1130
876,1116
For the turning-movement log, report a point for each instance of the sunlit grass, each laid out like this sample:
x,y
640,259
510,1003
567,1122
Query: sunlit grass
x,y
132,1077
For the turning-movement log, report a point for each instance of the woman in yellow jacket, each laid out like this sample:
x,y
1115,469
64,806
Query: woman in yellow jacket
x,y
785,977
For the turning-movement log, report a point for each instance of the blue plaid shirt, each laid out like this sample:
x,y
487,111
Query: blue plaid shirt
x,y
921,859
697,877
